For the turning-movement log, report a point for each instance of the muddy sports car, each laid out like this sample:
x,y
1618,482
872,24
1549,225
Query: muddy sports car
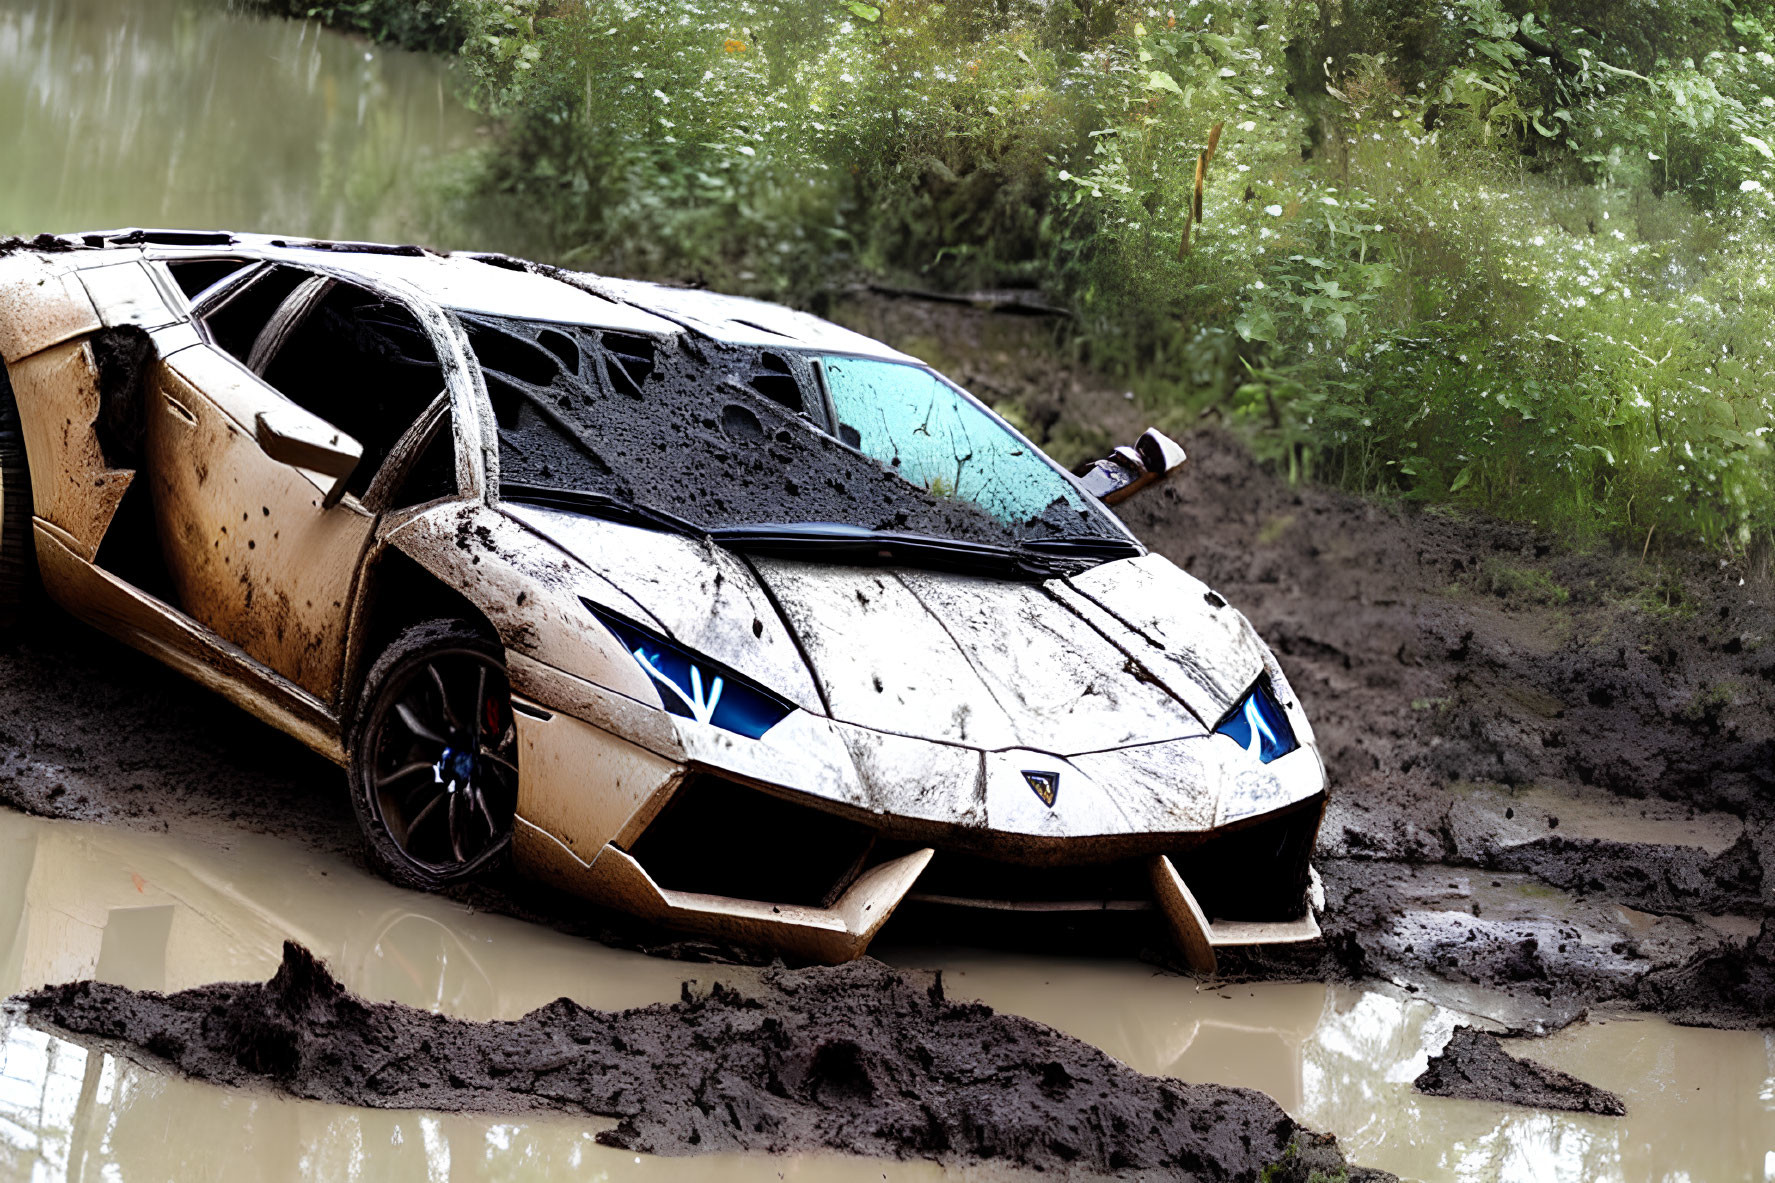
x,y
705,610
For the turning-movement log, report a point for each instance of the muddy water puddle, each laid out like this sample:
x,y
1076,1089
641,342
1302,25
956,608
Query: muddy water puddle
x,y
184,113
1700,1103
164,913
167,912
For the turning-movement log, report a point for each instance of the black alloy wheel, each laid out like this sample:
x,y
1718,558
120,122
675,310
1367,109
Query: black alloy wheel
x,y
434,764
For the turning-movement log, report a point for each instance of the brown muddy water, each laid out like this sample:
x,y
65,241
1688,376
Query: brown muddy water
x,y
180,113
165,912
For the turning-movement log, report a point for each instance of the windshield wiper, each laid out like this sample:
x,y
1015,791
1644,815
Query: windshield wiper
x,y
1044,558
599,505
1102,549
864,547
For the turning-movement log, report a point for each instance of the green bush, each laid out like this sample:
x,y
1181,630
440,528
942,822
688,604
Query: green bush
x,y
1453,250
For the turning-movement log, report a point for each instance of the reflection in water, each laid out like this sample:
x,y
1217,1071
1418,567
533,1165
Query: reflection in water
x,y
158,912
1700,1104
181,113
1669,1132
87,901
82,900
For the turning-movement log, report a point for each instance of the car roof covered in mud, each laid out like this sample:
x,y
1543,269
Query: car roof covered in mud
x,y
499,285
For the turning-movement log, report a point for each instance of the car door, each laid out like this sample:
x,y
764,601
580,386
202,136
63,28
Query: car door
x,y
260,550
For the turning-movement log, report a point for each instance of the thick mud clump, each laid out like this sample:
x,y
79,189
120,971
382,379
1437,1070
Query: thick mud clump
x,y
48,244
1729,987
1475,1067
860,1059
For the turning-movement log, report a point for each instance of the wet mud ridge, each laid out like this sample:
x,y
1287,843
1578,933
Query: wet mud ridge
x,y
1474,1066
861,1059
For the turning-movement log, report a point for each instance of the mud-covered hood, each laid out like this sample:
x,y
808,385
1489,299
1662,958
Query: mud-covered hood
x,y
1084,665
1131,652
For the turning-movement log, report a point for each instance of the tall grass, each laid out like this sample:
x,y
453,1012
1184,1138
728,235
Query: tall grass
x,y
1448,249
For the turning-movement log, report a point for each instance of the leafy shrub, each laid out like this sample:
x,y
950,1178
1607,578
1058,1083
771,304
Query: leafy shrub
x,y
1447,249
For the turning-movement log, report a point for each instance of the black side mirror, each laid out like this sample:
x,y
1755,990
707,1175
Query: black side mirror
x,y
1126,471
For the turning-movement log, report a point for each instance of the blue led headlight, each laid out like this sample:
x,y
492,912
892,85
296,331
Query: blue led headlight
x,y
693,686
1259,725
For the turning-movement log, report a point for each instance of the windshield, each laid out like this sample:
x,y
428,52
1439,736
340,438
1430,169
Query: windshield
x,y
738,442
933,436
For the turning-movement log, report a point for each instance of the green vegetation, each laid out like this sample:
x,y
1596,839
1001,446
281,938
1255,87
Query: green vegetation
x,y
1461,251
1292,1167
1521,583
1707,706
437,26
1665,599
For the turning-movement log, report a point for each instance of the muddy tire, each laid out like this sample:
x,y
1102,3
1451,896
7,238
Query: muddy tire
x,y
18,547
434,776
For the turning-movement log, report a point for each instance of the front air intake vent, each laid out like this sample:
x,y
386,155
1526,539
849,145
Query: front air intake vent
x,y
1258,872
718,837
955,877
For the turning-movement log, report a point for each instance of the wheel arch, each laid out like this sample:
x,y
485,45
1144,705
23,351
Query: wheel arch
x,y
530,592
397,592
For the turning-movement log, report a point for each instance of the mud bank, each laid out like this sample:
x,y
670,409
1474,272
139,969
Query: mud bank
x,y
1554,773
1475,1066
861,1059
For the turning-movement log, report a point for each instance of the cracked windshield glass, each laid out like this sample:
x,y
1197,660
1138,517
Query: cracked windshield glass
x,y
932,436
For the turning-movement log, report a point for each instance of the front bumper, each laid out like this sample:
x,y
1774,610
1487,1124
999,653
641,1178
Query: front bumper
x,y
1109,803
699,832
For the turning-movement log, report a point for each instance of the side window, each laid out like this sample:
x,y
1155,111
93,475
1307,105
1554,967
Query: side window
x,y
196,276
930,435
360,362
433,474
234,324
422,466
